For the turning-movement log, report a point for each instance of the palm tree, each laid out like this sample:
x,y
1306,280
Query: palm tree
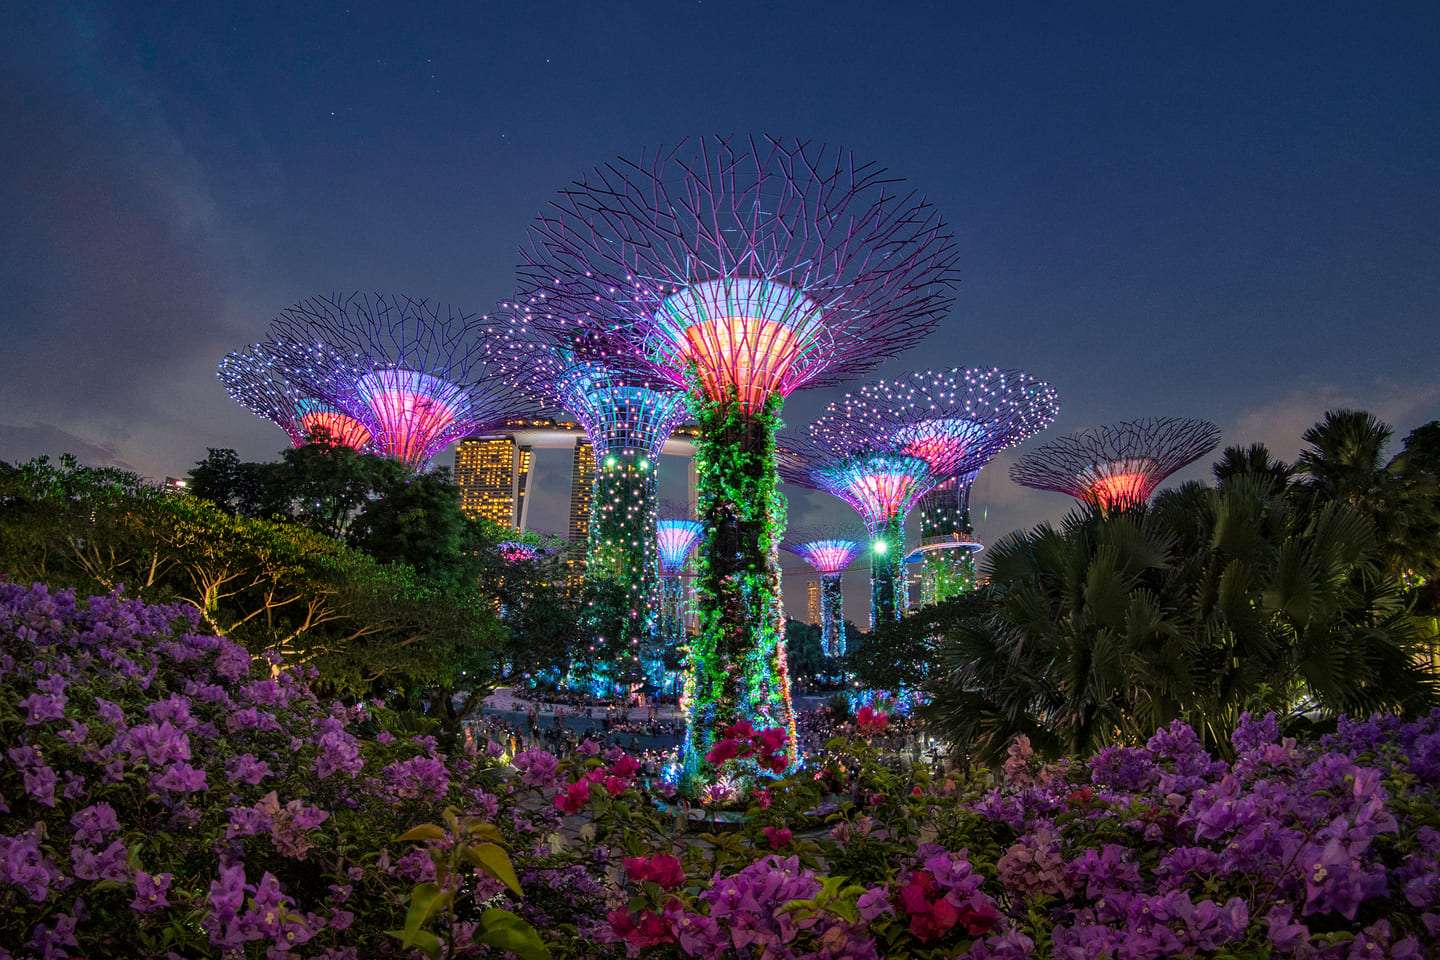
x,y
1209,602
1252,461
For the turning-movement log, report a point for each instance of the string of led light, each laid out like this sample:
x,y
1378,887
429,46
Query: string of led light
x,y
739,270
1116,467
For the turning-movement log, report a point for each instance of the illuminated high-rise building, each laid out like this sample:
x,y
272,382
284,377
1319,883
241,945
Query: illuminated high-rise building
x,y
485,473
525,460
582,484
812,602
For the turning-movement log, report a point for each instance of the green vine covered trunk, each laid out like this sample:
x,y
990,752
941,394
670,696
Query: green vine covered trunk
x,y
737,669
832,616
623,551
887,572
945,512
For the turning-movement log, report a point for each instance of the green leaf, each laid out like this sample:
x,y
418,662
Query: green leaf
x,y
426,831
501,928
425,899
480,830
422,940
495,861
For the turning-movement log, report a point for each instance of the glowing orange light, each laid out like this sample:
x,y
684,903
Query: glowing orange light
x,y
341,428
883,494
748,353
1121,490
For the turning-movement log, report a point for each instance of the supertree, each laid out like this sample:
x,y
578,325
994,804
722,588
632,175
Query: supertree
x,y
884,447
518,551
882,485
676,539
627,418
741,270
1116,467
967,414
413,372
829,556
256,379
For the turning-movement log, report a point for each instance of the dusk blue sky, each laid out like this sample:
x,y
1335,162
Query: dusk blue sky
x,y
1226,211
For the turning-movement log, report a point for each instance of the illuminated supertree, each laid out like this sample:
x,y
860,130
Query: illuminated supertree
x,y
829,557
676,540
741,270
1116,467
891,443
413,372
255,378
961,414
518,551
627,419
882,485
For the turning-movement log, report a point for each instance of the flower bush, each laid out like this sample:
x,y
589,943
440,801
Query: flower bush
x,y
166,795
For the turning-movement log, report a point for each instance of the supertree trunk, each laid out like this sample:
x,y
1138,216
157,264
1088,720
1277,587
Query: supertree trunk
x,y
832,616
737,669
887,572
622,547
671,634
945,512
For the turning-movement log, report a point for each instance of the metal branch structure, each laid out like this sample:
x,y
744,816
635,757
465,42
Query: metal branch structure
x,y
886,446
1116,467
676,540
739,269
627,419
967,414
882,485
413,372
256,379
829,557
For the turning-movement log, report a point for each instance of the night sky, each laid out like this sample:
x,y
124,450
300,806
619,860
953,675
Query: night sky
x,y
1229,212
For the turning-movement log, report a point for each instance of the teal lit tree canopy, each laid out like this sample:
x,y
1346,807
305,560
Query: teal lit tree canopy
x,y
412,372
1116,467
739,269
627,419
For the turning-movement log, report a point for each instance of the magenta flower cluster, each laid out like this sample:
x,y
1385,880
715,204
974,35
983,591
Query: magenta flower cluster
x,y
153,777
164,794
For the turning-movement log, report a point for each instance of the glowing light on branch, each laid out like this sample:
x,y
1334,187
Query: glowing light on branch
x,y
1116,467
827,556
676,540
338,425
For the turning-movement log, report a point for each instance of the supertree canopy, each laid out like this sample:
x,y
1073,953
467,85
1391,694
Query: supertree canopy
x,y
829,557
882,485
414,373
962,414
1116,467
891,443
677,540
256,379
739,269
518,551
627,419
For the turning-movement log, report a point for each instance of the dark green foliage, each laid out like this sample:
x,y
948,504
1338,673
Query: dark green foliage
x,y
1207,603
